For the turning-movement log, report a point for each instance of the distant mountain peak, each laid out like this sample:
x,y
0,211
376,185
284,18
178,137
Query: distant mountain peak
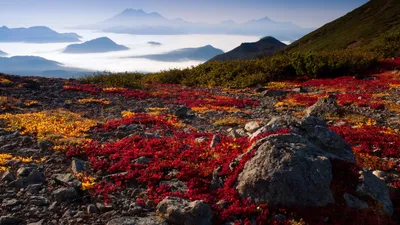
x,y
102,44
265,18
269,38
138,12
130,10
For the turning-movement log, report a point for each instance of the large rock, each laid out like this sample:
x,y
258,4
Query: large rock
x,y
295,168
375,188
149,220
354,202
323,107
287,170
180,211
333,145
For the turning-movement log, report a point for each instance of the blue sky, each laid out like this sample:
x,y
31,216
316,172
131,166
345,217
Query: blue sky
x,y
62,13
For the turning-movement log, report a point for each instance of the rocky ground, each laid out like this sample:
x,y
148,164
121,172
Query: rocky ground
x,y
298,152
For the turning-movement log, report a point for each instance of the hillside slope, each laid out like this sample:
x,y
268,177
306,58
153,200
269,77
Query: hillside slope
x,y
264,47
356,29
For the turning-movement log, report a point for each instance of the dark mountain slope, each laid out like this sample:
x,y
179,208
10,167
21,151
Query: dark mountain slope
x,y
264,47
358,28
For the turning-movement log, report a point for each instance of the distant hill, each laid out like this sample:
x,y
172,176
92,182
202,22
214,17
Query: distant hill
x,y
137,21
153,43
3,53
37,66
264,47
356,29
98,45
185,54
35,35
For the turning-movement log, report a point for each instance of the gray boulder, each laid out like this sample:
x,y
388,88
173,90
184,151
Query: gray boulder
x,y
287,170
180,211
333,145
354,202
323,107
375,188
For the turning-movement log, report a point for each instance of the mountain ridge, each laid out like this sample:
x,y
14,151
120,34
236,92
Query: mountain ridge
x,y
37,66
36,34
264,47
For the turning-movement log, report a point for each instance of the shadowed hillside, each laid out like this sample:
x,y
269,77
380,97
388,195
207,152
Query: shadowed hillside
x,y
358,28
264,47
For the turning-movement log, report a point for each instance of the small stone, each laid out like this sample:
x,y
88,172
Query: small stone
x,y
251,126
181,112
45,145
260,89
215,140
200,139
64,178
78,166
324,106
104,207
39,201
142,160
34,188
241,132
274,93
232,133
10,203
65,194
40,222
91,209
24,171
180,211
380,174
7,176
280,217
36,177
300,90
53,206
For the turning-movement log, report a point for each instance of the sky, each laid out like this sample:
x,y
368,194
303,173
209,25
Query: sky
x,y
66,13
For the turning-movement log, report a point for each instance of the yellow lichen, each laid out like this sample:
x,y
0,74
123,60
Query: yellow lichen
x,y
93,100
59,124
